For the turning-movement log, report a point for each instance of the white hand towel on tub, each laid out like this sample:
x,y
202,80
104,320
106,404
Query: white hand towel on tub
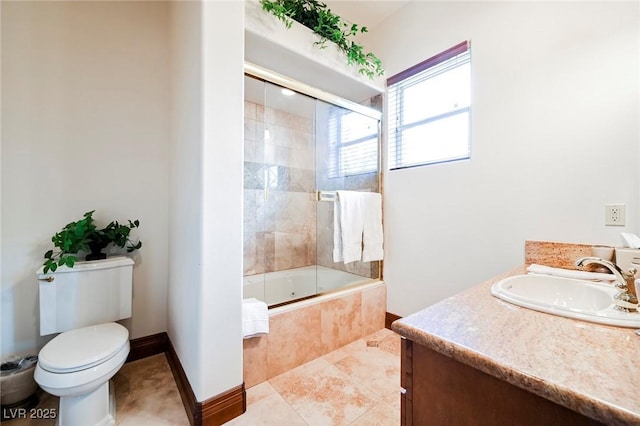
x,y
255,318
372,227
351,225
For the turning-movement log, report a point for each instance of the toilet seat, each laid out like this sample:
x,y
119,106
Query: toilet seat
x,y
79,382
83,348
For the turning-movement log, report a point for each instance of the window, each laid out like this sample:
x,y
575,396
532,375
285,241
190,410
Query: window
x,y
429,110
354,142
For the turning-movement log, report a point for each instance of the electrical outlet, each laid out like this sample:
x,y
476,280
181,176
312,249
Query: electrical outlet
x,y
614,214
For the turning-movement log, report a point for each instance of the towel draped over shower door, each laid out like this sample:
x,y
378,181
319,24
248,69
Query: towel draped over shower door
x,y
357,227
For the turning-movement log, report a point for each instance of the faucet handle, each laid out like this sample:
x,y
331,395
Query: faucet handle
x,y
628,280
628,276
621,286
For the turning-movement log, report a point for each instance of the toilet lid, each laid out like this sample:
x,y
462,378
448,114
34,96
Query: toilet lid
x,y
83,348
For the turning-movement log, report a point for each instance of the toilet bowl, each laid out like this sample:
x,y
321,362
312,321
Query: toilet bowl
x,y
77,365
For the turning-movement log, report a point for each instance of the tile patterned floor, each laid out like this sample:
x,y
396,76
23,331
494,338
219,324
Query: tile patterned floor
x,y
146,394
357,385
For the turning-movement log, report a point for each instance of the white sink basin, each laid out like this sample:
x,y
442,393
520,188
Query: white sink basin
x,y
584,300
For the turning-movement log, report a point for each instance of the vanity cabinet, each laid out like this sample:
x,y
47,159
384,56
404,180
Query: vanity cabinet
x,y
438,390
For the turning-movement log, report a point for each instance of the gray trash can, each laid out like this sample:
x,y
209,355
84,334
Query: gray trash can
x,y
17,385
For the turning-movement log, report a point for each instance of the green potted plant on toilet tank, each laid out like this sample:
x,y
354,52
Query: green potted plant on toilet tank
x,y
84,236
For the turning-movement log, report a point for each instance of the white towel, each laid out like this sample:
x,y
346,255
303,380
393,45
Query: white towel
x,y
372,226
337,233
255,318
350,216
357,227
570,273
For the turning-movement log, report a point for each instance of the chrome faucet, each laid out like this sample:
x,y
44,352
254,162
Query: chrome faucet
x,y
625,299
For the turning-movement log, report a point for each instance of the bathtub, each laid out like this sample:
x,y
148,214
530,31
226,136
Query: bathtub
x,y
292,284
314,326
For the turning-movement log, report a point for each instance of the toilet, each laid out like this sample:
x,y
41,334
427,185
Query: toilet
x,y
82,303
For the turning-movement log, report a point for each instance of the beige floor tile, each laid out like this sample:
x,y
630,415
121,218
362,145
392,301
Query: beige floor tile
x,y
380,415
145,394
258,392
360,365
305,370
385,339
345,351
163,407
357,384
142,378
327,397
393,399
272,410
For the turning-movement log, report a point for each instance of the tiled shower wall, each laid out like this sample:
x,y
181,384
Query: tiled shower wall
x,y
284,226
279,190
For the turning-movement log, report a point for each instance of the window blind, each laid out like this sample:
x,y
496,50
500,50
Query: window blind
x,y
429,109
353,143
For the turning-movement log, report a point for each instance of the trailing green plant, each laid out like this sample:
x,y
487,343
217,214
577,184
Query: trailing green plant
x,y
84,236
318,17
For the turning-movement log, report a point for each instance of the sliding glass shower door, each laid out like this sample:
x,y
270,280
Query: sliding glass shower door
x,y
295,146
347,145
280,216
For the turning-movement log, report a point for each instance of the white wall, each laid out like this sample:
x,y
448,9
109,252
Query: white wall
x,y
185,207
113,106
206,193
555,137
85,113
223,182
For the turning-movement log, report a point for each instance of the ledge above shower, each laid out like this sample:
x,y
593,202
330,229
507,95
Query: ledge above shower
x,y
292,52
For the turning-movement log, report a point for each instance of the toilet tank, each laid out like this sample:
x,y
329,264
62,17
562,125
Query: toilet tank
x,y
90,293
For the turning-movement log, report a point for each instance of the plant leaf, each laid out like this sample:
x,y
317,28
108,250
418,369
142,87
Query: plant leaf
x,y
316,16
84,236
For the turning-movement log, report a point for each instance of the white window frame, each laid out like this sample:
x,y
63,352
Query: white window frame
x,y
443,62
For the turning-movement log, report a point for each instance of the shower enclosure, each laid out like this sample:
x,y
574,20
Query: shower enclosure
x,y
298,150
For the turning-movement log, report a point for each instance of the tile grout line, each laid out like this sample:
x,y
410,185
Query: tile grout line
x,y
293,409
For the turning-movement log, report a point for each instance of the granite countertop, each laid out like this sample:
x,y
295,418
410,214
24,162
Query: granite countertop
x,y
590,368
